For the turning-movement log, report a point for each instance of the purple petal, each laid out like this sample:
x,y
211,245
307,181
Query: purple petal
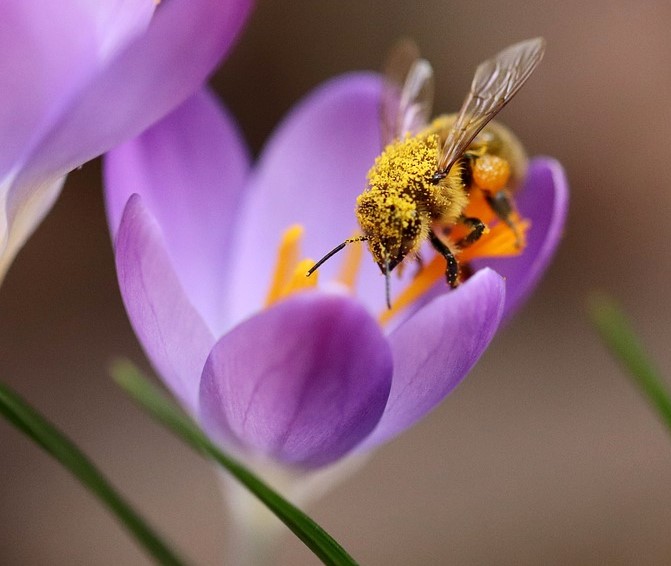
x,y
189,169
170,330
311,171
65,43
150,77
48,50
303,382
116,23
544,200
436,348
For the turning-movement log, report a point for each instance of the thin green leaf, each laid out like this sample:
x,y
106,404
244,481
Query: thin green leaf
x,y
29,421
622,341
158,405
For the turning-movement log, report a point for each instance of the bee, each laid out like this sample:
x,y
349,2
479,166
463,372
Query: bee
x,y
419,186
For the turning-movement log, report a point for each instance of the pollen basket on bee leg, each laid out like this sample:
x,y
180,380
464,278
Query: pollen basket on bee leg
x,y
491,172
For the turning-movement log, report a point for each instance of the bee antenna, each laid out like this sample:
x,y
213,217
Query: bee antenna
x,y
334,251
386,282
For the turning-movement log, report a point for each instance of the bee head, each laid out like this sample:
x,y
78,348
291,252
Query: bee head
x,y
391,224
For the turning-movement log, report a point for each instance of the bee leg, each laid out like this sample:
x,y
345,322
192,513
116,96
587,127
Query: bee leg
x,y
477,228
452,270
500,202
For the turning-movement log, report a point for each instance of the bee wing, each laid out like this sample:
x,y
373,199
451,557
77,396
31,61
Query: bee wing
x,y
407,94
495,82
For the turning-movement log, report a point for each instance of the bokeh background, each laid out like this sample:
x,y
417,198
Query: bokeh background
x,y
546,454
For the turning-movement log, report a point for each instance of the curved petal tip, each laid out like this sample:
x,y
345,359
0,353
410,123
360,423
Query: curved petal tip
x,y
436,348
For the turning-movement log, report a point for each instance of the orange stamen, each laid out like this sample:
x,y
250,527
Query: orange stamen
x,y
298,281
478,207
288,253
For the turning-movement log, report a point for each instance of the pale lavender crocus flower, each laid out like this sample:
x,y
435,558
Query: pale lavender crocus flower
x,y
79,77
277,373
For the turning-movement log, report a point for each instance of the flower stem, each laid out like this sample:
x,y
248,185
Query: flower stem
x,y
255,533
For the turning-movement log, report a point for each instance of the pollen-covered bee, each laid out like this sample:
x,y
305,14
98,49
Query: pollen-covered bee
x,y
419,187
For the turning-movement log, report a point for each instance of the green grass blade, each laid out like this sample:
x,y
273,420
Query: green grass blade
x,y
616,332
165,411
29,421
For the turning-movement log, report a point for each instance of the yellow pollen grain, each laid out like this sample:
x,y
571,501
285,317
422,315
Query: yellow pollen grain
x,y
288,253
421,284
405,162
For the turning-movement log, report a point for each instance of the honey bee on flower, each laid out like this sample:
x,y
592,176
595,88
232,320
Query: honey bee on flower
x,y
440,180
288,372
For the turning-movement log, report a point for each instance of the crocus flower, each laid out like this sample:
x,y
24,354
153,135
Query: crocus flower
x,y
80,77
209,266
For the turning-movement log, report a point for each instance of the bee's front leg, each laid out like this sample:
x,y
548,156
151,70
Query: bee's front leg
x,y
452,269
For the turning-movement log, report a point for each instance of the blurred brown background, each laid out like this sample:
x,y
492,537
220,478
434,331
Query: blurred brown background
x,y
545,455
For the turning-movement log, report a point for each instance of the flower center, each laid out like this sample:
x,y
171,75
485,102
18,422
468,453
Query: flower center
x,y
498,240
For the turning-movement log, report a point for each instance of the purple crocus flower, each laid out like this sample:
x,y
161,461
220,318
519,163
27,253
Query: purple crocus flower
x,y
79,77
300,379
